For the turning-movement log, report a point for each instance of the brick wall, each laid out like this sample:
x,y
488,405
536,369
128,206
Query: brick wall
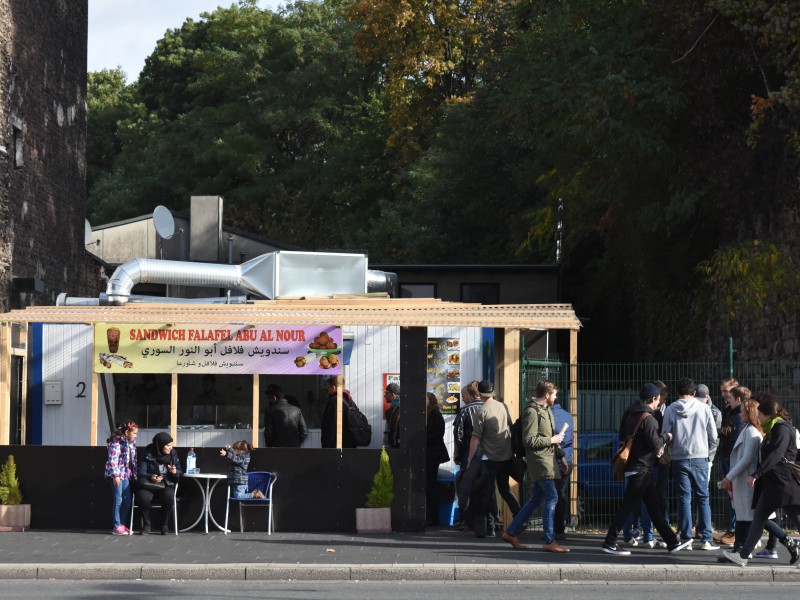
x,y
43,108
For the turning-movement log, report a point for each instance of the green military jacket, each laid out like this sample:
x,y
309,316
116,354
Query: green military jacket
x,y
538,427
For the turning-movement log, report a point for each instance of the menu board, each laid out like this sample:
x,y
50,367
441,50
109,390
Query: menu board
x,y
444,373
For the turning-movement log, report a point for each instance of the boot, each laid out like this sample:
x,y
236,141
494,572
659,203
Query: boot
x,y
793,547
145,524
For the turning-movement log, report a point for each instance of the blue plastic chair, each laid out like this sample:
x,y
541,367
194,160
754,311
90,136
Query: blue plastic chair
x,y
256,480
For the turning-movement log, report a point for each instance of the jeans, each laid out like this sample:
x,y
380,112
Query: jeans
x,y
639,488
561,512
542,492
691,476
121,502
240,491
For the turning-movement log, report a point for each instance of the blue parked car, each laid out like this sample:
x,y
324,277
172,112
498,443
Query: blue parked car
x,y
595,473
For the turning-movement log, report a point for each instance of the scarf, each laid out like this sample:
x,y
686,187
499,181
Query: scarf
x,y
160,440
769,424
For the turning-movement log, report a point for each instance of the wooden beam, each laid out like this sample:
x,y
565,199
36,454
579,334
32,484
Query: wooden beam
x,y
94,395
339,417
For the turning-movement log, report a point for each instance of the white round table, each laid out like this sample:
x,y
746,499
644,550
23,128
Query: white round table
x,y
207,491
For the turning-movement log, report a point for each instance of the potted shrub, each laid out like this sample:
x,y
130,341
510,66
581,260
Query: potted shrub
x,y
377,517
14,515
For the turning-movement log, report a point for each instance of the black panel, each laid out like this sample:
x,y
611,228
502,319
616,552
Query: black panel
x,y
317,490
409,472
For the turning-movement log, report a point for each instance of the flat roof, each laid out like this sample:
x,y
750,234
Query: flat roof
x,y
340,311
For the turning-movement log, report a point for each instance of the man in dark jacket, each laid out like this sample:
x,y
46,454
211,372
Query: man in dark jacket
x,y
285,426
328,432
648,446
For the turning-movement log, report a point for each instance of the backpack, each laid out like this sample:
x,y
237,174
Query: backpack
x,y
359,427
517,447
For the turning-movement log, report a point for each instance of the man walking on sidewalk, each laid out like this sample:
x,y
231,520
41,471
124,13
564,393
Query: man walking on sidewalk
x,y
692,427
648,446
546,463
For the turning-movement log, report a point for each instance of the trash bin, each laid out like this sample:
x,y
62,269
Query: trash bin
x,y
448,503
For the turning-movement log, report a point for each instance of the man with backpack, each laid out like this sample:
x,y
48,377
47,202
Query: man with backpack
x,y
356,430
491,428
392,396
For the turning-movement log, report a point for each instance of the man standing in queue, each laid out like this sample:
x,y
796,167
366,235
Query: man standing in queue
x,y
546,463
648,446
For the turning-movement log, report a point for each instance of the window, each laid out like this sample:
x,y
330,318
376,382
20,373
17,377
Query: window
x,y
417,290
483,293
19,156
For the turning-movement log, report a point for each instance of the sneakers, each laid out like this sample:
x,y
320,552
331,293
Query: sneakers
x,y
654,544
257,494
119,530
708,546
609,549
686,545
735,557
726,539
767,553
633,542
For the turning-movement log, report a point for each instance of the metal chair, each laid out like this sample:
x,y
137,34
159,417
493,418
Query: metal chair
x,y
157,504
256,480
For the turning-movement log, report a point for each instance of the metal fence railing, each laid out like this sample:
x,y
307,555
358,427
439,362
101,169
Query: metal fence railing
x,y
605,390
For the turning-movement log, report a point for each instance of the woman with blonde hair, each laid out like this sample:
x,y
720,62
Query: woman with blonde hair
x,y
743,461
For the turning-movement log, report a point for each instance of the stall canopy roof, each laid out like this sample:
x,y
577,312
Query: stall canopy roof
x,y
345,311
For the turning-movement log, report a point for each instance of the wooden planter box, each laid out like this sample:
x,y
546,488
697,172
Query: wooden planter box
x,y
15,517
374,520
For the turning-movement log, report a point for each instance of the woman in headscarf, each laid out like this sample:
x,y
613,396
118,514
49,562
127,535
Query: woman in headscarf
x,y
773,483
159,471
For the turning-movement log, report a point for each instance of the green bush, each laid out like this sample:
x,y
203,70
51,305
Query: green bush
x,y
381,494
9,484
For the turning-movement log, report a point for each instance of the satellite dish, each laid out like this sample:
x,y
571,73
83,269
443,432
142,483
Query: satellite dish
x,y
163,222
87,233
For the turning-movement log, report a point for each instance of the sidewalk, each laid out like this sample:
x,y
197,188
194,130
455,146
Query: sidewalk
x,y
438,555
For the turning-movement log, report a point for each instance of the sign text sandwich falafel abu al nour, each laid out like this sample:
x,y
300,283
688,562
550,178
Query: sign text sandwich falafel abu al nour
x,y
234,349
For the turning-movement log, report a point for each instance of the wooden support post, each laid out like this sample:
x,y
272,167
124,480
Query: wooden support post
x,y
23,335
339,416
511,353
94,410
573,396
173,407
256,409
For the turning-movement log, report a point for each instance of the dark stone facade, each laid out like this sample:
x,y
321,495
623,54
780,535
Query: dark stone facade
x,y
43,151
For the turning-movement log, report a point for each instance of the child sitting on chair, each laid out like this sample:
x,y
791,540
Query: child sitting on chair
x,y
239,455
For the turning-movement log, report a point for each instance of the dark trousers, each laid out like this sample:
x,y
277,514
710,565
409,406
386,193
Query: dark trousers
x,y
164,497
662,491
562,511
640,488
761,514
432,493
501,471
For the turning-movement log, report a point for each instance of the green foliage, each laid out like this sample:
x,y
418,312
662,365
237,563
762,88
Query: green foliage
x,y
752,275
9,484
382,494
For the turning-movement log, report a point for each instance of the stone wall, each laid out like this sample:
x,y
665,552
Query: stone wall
x,y
43,156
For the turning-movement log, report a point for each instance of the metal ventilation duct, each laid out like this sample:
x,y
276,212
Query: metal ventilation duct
x,y
272,275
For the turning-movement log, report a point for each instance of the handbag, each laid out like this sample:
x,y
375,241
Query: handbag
x,y
151,486
620,459
794,469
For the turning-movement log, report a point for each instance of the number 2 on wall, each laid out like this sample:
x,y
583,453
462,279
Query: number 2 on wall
x,y
81,389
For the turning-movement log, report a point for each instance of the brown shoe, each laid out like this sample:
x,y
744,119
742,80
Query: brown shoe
x,y
513,540
554,546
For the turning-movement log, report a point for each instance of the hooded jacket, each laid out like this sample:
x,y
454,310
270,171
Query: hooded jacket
x,y
692,427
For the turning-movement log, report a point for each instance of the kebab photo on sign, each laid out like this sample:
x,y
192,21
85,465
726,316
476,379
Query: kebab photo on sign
x,y
323,350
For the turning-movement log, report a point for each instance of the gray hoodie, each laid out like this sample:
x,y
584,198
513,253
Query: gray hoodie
x,y
692,427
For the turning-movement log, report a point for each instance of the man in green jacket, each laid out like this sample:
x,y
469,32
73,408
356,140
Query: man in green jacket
x,y
546,463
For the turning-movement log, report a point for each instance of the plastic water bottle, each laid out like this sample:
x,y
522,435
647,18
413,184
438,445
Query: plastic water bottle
x,y
191,461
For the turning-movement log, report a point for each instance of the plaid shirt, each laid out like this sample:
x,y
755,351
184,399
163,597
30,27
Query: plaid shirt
x,y
237,471
121,458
